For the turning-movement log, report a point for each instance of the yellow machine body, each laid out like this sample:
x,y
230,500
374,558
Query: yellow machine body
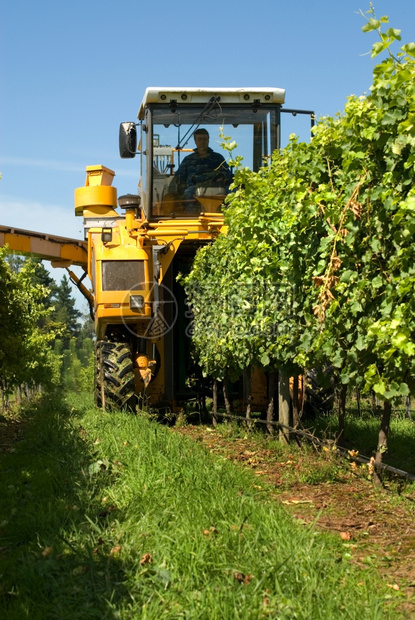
x,y
128,258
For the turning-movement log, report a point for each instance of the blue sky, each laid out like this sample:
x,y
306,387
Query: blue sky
x,y
71,72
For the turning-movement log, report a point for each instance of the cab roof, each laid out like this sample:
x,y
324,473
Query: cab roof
x,y
188,95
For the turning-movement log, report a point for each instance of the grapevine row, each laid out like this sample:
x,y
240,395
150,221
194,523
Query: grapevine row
x,y
318,263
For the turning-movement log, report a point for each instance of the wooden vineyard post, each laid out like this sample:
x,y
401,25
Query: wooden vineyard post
x,y
215,402
228,405
382,441
296,403
342,393
247,387
284,405
271,400
408,407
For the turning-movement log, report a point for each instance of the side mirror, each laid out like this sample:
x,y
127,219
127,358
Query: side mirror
x,y
128,140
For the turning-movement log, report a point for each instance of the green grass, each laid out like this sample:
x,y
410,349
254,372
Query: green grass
x,y
330,467
362,431
114,516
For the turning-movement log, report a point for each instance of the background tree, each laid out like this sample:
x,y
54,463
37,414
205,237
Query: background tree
x,y
45,339
65,312
25,354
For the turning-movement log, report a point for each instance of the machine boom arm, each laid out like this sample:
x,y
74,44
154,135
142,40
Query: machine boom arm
x,y
48,247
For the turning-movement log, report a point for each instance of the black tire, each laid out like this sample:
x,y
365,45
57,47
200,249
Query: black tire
x,y
113,363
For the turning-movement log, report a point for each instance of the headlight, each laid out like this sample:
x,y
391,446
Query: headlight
x,y
136,302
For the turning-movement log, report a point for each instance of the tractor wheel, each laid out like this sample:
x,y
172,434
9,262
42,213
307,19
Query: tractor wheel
x,y
114,376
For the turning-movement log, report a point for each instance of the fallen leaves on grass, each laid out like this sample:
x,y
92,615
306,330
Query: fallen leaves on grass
x,y
242,578
146,559
107,511
296,501
377,523
47,552
210,531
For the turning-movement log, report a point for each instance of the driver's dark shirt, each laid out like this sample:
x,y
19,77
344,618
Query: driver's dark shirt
x,y
195,169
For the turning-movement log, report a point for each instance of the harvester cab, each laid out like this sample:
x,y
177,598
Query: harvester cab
x,y
172,183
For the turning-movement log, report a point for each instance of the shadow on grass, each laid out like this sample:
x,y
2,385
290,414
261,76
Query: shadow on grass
x,y
55,561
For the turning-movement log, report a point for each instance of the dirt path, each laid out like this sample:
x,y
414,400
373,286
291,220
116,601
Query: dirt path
x,y
378,527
